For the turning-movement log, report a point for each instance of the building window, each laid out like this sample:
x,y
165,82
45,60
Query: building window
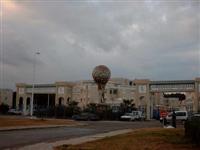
x,y
142,88
61,90
115,91
110,91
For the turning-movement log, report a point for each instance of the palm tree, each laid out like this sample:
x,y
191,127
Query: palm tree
x,y
72,108
127,105
92,107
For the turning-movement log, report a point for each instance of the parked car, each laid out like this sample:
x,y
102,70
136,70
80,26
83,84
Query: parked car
x,y
180,115
139,115
134,115
195,115
86,117
127,117
14,112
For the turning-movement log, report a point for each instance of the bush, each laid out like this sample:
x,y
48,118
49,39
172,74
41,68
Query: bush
x,y
104,112
192,130
60,111
45,112
4,108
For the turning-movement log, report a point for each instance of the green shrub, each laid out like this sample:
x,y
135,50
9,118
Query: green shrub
x,y
60,111
45,112
104,112
192,130
4,108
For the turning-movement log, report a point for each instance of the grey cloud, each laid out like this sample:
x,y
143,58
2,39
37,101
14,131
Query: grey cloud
x,y
156,40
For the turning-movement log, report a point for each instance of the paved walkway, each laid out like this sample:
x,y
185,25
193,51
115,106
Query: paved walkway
x,y
73,141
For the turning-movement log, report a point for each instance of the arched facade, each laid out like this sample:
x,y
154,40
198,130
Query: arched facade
x,y
146,93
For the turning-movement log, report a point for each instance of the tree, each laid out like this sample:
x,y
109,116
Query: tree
x,y
127,105
72,108
91,107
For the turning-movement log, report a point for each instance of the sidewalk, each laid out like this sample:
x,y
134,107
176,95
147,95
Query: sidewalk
x,y
73,141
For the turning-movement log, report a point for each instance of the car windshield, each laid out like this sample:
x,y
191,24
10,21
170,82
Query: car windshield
x,y
135,113
84,114
180,113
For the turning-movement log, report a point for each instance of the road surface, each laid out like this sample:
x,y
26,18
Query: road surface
x,y
17,138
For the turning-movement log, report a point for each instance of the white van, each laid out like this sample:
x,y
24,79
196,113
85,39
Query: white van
x,y
180,115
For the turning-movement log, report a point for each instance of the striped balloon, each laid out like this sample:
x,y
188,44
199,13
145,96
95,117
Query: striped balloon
x,y
101,74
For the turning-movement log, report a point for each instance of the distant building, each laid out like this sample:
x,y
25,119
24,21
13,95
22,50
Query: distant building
x,y
6,96
145,94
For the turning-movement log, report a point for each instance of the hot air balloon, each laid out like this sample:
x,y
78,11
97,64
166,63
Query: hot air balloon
x,y
101,74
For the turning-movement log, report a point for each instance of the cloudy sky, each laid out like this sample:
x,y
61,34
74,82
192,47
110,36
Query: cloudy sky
x,y
159,40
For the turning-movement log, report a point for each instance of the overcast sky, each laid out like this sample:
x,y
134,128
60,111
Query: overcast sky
x,y
158,40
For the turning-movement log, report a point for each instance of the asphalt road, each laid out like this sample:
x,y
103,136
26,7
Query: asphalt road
x,y
11,139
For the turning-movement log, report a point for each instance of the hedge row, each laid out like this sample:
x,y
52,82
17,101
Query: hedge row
x,y
67,112
57,112
192,130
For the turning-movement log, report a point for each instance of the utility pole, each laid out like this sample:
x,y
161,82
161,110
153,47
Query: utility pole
x,y
33,84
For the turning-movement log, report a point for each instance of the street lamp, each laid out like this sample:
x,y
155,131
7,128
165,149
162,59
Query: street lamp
x,y
33,86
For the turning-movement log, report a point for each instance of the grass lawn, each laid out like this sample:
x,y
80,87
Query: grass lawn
x,y
13,121
143,139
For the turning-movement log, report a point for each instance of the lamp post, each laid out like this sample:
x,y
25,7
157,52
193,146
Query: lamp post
x,y
33,84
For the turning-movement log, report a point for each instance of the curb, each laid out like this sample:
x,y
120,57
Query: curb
x,y
37,127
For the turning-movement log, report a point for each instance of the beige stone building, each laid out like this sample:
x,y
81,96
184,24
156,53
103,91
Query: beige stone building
x,y
6,96
145,94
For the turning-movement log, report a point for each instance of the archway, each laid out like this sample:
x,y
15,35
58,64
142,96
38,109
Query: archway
x,y
60,101
28,101
21,103
14,100
68,100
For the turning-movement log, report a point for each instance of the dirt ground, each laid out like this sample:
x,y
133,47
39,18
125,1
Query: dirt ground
x,y
141,139
13,121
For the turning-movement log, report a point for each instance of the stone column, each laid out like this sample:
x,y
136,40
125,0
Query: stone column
x,y
20,92
24,105
197,95
148,102
151,104
143,90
